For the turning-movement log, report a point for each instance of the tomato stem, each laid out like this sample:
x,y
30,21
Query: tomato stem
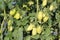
x,y
37,6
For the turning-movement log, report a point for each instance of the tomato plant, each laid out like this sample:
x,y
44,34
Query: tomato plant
x,y
29,20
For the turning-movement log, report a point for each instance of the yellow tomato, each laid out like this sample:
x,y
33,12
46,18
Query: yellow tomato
x,y
30,2
12,12
17,15
30,27
45,18
39,29
10,28
34,32
44,3
24,5
51,7
10,22
40,15
44,15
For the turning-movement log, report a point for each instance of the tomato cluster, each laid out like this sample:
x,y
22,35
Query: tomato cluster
x,y
29,20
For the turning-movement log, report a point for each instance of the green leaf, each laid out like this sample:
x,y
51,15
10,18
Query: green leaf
x,y
18,22
9,3
36,36
58,17
59,25
28,37
24,21
2,5
6,38
50,22
47,31
50,37
32,14
9,34
18,34
45,34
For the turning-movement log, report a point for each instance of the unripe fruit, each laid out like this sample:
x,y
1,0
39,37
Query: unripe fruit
x,y
10,22
44,3
39,29
34,32
30,27
45,18
10,28
17,15
40,15
12,12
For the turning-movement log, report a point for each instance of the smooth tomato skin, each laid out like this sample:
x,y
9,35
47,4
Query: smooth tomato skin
x,y
39,29
51,7
40,15
44,3
12,12
34,32
10,28
30,3
10,22
17,15
45,19
30,27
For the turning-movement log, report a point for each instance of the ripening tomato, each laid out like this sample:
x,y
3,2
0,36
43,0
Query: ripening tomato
x,y
30,27
10,28
24,5
30,2
45,18
12,12
34,32
10,22
44,3
39,29
51,7
17,15
40,15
